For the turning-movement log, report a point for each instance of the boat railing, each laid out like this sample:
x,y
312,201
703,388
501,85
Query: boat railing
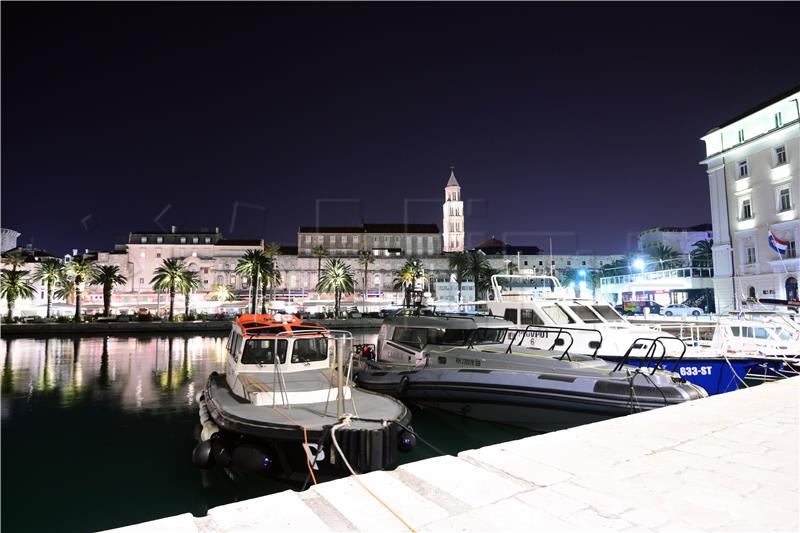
x,y
650,354
337,336
559,329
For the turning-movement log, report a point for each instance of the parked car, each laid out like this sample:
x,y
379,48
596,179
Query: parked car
x,y
681,310
637,307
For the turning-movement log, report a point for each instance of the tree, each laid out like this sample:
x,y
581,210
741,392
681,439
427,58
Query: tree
x,y
664,254
337,278
14,259
365,259
404,282
459,262
80,270
14,286
50,271
319,252
702,253
251,264
271,273
168,277
189,281
480,272
221,293
108,276
66,288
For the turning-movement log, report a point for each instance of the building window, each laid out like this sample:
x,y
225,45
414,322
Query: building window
x,y
194,254
583,263
784,200
142,254
743,171
747,211
553,262
183,240
143,240
195,240
355,239
541,263
525,263
791,249
778,120
780,155
159,240
741,136
141,281
569,263
750,255
308,239
208,240
158,254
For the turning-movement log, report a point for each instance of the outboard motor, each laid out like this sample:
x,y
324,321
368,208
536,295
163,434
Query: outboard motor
x,y
252,458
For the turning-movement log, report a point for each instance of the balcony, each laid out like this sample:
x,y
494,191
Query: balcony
x,y
659,275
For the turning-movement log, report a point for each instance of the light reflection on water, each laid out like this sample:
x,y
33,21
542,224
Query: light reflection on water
x,y
102,429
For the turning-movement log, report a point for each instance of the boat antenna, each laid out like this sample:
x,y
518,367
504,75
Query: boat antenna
x,y
551,256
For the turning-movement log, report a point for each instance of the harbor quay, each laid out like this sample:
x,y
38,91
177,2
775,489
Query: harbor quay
x,y
724,463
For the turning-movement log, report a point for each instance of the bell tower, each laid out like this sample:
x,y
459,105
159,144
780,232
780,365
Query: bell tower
x,y
453,221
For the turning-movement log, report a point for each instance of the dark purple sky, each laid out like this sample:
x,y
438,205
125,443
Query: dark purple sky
x,y
576,120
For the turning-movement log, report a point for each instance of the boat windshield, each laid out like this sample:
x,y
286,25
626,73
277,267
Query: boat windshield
x,y
585,314
607,313
310,350
462,337
262,351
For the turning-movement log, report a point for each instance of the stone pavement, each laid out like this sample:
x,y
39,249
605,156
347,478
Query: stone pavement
x,y
724,463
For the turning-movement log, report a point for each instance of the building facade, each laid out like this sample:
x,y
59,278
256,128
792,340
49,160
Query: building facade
x,y
753,163
679,239
453,216
382,240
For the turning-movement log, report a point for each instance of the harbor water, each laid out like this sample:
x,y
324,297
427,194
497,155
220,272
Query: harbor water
x,y
97,432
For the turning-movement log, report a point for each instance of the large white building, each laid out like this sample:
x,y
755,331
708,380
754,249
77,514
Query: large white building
x,y
753,163
681,240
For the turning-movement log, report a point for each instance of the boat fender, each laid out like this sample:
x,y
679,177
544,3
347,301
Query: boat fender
x,y
406,441
252,458
220,450
201,455
209,430
402,386
198,397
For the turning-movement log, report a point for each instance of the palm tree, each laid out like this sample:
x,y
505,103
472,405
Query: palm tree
x,y
319,252
14,286
459,262
80,270
108,276
189,281
404,282
663,253
221,293
14,260
365,259
337,278
480,272
50,271
270,278
66,288
251,264
703,253
168,277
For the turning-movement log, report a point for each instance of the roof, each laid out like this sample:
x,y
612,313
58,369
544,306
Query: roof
x,y
756,109
240,242
452,182
698,227
288,250
495,246
373,228
30,255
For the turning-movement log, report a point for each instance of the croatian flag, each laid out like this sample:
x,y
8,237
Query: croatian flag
x,y
775,243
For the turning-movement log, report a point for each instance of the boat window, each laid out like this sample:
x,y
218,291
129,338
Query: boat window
x,y
747,332
585,314
262,351
557,315
236,343
309,350
462,337
489,336
510,315
735,331
761,333
230,339
608,313
529,316
414,337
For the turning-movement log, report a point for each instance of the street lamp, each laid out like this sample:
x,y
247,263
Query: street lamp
x,y
638,264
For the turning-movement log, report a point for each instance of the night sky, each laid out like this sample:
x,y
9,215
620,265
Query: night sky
x,y
580,121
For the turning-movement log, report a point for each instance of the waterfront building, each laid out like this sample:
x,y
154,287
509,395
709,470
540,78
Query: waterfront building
x,y
753,167
8,239
381,240
681,240
453,216
37,305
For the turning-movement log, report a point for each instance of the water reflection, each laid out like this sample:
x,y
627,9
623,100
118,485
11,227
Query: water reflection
x,y
135,373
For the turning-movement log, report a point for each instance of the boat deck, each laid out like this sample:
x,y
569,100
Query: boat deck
x,y
726,463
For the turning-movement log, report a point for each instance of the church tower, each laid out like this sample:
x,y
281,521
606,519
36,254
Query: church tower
x,y
453,222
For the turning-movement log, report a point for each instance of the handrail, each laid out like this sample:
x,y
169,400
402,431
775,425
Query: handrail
x,y
650,353
560,328
555,341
